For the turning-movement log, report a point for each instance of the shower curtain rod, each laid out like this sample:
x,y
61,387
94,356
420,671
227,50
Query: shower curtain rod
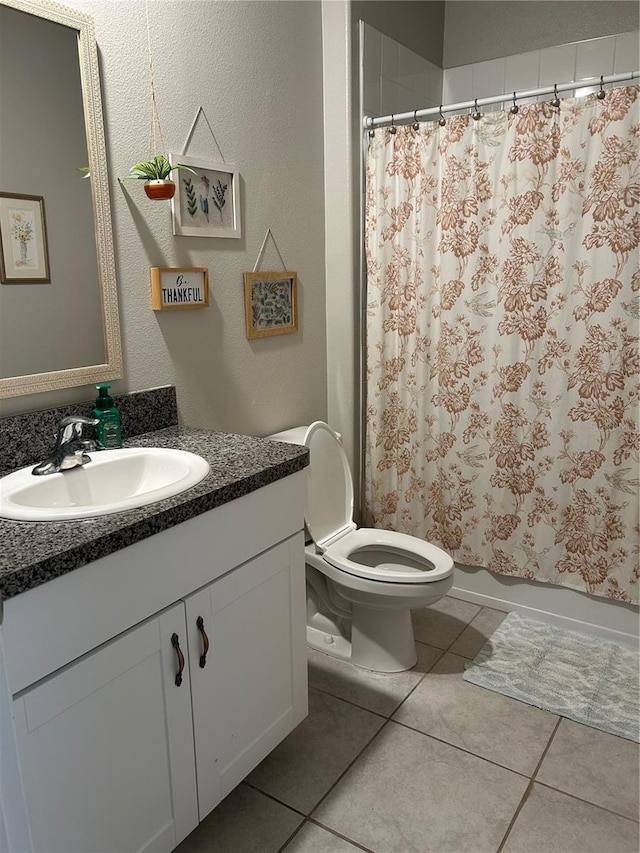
x,y
414,115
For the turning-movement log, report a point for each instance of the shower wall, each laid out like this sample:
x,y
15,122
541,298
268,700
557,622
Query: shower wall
x,y
395,78
560,64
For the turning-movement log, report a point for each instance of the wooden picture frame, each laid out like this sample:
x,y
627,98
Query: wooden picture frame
x,y
207,203
179,288
24,254
271,303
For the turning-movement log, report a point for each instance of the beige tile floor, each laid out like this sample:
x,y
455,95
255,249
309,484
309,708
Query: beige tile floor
x,y
422,761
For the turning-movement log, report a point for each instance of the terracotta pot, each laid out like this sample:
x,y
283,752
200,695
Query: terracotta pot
x,y
160,189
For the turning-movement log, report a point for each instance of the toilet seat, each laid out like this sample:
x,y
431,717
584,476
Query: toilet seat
x,y
385,555
379,555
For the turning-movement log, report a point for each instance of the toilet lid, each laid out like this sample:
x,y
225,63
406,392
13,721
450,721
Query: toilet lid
x,y
328,507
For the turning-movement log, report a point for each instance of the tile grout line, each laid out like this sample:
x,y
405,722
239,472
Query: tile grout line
x,y
274,798
525,796
588,802
485,639
307,817
340,835
328,829
349,702
461,749
291,837
378,713
443,652
347,768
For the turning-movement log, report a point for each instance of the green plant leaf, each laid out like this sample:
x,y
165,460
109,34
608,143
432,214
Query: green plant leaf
x,y
157,169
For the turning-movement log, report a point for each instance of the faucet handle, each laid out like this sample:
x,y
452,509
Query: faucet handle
x,y
72,426
70,449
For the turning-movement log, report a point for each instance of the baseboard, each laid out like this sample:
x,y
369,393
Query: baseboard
x,y
573,610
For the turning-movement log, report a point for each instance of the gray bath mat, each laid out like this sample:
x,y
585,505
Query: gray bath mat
x,y
587,679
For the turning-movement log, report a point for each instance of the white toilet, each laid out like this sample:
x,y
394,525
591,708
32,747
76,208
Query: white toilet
x,y
361,583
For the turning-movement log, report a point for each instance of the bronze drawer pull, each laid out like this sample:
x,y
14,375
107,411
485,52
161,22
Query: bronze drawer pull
x,y
175,642
205,641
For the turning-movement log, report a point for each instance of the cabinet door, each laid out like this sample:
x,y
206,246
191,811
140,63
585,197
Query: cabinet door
x,y
252,690
105,747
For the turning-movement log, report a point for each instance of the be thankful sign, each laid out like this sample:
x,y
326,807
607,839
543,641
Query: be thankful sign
x,y
179,287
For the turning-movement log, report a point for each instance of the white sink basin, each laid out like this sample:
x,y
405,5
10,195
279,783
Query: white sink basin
x,y
113,481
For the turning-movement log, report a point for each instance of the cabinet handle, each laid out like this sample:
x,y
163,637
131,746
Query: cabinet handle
x,y
205,641
175,642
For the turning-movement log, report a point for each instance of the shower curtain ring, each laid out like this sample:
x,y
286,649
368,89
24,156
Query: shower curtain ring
x,y
392,129
416,123
442,120
514,106
556,100
476,112
601,94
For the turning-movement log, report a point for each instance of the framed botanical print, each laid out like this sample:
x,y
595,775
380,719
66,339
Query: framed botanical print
x,y
271,303
207,203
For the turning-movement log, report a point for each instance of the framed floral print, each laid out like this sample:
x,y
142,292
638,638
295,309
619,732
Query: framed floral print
x,y
24,256
271,303
207,199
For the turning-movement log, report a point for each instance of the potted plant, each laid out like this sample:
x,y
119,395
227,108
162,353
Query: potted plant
x,y
156,173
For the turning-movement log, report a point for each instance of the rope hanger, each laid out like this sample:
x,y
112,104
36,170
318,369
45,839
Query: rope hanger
x,y
264,243
154,117
202,113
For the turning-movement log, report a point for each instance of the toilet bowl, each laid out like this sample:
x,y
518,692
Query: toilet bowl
x,y
361,583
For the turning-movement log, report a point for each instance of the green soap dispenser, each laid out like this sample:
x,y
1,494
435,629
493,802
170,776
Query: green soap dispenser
x,y
108,429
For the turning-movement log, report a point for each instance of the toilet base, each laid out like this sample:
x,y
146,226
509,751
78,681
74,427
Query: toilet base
x,y
381,641
330,644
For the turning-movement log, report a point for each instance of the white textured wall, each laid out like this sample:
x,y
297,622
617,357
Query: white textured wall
x,y
256,69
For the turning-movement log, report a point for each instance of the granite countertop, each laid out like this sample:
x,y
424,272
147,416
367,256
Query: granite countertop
x,y
33,552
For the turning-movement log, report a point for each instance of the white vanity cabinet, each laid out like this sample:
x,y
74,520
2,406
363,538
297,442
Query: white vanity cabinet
x,y
102,748
249,693
106,747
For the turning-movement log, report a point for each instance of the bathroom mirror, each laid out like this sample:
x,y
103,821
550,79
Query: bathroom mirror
x,y
59,324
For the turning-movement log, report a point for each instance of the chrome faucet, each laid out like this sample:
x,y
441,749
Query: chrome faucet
x,y
70,449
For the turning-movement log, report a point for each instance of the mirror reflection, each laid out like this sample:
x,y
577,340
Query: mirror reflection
x,y
58,316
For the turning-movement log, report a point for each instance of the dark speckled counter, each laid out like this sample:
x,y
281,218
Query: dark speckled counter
x,y
33,553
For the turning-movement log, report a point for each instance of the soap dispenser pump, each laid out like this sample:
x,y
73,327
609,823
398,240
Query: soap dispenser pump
x,y
108,428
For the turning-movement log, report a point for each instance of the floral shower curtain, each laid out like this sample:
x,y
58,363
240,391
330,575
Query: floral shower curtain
x,y
502,339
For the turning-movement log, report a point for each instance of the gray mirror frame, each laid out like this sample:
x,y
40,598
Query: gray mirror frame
x,y
90,75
